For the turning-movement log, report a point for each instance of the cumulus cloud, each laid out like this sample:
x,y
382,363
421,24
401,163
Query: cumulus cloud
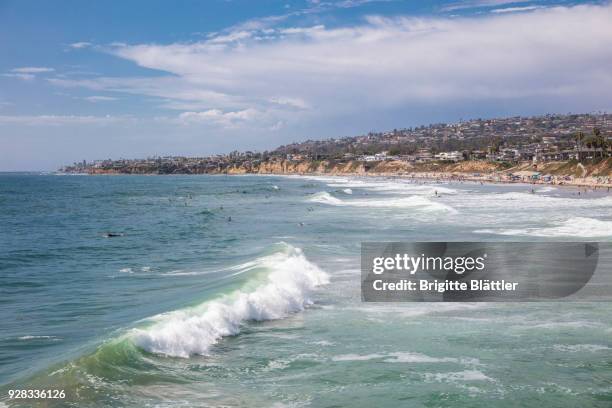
x,y
383,63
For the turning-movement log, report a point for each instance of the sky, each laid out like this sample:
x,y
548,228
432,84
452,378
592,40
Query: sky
x,y
133,79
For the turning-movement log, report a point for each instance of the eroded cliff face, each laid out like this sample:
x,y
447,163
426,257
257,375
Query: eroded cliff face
x,y
323,167
357,167
603,168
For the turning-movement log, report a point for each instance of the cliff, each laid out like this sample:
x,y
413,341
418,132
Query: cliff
x,y
602,168
362,168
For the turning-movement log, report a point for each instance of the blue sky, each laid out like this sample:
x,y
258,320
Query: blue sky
x,y
91,80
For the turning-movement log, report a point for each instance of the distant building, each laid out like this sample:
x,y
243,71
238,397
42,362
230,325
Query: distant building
x,y
450,156
423,156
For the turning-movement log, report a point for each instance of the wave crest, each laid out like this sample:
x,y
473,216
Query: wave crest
x,y
414,202
582,227
285,287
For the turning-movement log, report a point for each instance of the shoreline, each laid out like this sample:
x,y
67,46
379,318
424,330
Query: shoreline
x,y
454,177
514,175
591,182
594,175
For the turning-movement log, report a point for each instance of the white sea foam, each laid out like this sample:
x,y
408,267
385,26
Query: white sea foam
x,y
38,338
576,348
575,227
347,191
405,357
394,187
466,375
357,357
546,189
284,286
324,197
415,202
581,324
534,201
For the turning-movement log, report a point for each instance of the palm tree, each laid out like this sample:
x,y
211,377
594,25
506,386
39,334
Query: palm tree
x,y
579,139
600,141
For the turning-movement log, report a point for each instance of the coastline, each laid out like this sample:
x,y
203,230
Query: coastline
x,y
558,174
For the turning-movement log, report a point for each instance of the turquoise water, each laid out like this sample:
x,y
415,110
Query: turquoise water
x,y
187,308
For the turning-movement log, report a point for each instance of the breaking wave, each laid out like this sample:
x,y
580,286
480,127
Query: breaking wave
x,y
394,187
576,227
416,202
536,201
282,285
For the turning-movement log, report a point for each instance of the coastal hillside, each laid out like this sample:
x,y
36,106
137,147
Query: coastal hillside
x,y
573,168
389,167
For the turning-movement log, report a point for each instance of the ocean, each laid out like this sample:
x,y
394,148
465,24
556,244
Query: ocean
x,y
194,291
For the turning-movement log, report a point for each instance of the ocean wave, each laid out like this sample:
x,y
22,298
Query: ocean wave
x,y
395,187
283,286
546,189
416,202
582,227
536,201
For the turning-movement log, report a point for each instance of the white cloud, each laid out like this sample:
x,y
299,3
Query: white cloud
x,y
51,120
515,9
32,70
80,44
480,3
291,102
27,73
23,77
296,74
99,98
217,116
